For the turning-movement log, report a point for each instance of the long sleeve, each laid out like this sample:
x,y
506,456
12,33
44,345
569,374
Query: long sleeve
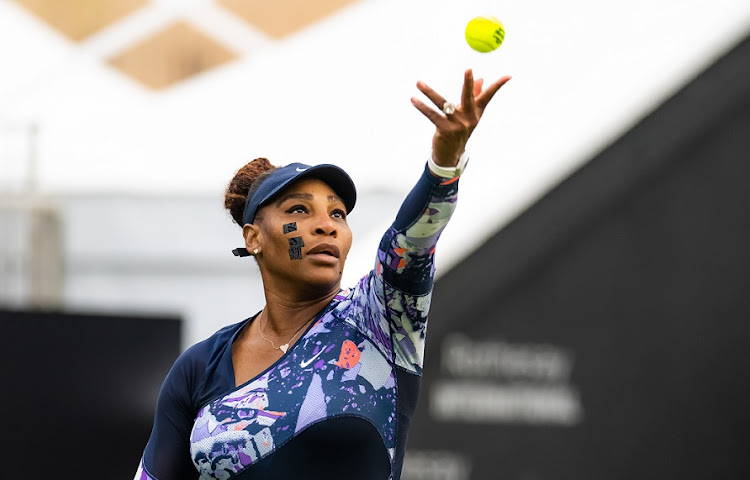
x,y
361,360
398,290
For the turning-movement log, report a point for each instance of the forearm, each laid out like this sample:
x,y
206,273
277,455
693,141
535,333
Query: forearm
x,y
407,249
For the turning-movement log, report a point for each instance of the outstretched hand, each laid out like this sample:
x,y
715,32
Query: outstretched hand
x,y
454,129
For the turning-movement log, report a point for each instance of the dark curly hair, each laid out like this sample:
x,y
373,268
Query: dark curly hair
x,y
244,183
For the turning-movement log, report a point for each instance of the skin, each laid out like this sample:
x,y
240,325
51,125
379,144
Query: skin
x,y
296,290
453,131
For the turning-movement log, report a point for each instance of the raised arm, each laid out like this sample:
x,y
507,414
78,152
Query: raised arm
x,y
407,249
400,286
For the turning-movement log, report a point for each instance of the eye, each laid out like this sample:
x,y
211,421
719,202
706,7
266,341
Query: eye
x,y
338,213
297,209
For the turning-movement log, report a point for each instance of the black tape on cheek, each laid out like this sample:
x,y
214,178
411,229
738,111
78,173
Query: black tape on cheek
x,y
295,248
290,227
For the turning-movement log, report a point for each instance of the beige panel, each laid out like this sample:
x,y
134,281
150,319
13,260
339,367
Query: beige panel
x,y
171,55
78,19
281,17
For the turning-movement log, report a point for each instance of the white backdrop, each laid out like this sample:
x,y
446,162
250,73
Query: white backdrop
x,y
338,91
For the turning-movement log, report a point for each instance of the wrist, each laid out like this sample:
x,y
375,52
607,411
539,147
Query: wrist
x,y
448,172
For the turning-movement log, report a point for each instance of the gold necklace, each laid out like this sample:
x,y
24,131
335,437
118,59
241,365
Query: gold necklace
x,y
285,346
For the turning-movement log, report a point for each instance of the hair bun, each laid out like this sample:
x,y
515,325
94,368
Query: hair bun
x,y
245,180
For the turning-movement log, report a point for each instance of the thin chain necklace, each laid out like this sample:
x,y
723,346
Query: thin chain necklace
x,y
285,346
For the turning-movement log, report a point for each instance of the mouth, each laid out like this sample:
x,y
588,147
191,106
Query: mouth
x,y
325,249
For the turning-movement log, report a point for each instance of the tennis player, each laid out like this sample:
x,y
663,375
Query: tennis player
x,y
323,381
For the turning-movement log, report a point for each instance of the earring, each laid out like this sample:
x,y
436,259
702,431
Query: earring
x,y
255,252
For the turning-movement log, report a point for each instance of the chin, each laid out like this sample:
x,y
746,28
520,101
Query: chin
x,y
323,280
317,277
326,280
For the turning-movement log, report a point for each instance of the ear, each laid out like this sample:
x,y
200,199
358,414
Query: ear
x,y
251,233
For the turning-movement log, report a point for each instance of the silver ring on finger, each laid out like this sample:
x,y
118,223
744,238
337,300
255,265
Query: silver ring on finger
x,y
449,108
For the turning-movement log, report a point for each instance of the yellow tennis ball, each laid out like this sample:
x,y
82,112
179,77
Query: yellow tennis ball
x,y
484,34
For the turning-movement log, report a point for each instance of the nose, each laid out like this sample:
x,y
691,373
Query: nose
x,y
325,226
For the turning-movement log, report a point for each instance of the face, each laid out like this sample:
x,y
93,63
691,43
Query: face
x,y
303,238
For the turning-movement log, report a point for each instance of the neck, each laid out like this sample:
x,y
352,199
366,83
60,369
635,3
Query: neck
x,y
284,315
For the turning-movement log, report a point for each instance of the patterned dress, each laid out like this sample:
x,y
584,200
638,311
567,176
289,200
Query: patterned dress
x,y
339,402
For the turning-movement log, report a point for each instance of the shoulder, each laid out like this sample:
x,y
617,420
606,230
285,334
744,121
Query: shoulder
x,y
201,352
201,361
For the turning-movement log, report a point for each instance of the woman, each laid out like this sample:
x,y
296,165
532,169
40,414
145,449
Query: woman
x,y
320,384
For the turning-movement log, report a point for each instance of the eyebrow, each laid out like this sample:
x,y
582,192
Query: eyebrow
x,y
302,196
335,198
308,197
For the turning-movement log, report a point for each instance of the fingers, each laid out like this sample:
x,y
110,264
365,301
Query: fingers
x,y
473,100
434,97
478,87
467,94
484,97
436,118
